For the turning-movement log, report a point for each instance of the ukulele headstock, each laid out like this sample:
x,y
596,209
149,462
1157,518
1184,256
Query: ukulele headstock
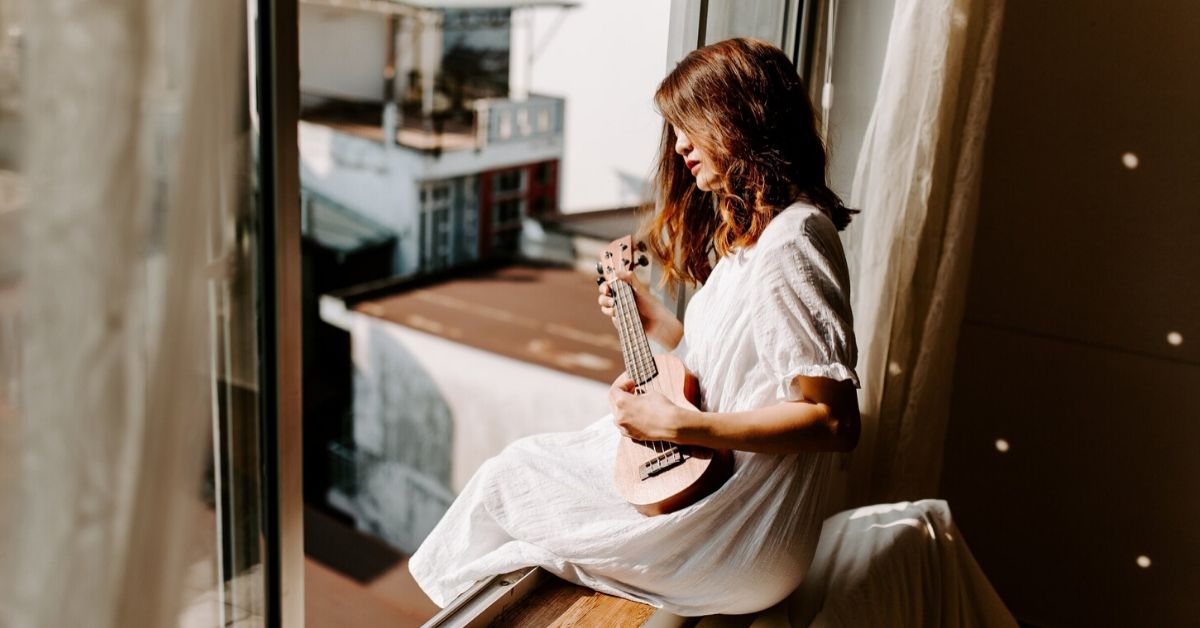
x,y
617,255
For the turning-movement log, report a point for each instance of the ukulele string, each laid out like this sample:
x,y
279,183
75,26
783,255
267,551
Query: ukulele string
x,y
623,331
627,308
633,323
650,371
646,361
627,336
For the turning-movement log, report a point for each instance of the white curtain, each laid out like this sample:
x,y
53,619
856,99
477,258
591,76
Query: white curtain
x,y
129,122
917,181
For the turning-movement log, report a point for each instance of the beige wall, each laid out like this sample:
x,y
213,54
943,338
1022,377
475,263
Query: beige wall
x,y
1082,268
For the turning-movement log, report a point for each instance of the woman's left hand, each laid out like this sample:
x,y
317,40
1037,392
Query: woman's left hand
x,y
648,416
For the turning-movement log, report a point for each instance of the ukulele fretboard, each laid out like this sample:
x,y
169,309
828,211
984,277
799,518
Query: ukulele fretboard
x,y
635,347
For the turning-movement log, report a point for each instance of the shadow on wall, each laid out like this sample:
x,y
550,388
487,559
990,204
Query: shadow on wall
x,y
403,432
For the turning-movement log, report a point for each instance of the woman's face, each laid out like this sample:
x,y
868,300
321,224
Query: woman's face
x,y
698,161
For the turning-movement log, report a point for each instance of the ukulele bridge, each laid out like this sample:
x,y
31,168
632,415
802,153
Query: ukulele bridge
x,y
670,458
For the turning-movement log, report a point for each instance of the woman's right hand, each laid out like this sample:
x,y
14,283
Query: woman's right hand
x,y
658,321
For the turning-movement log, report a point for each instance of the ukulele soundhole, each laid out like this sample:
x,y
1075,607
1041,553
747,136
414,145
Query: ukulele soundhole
x,y
670,458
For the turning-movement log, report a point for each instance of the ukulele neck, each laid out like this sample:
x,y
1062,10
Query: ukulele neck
x,y
635,347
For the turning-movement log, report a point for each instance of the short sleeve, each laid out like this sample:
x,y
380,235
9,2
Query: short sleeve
x,y
801,298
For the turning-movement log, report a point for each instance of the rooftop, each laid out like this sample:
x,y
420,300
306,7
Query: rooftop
x,y
365,120
478,124
527,311
606,224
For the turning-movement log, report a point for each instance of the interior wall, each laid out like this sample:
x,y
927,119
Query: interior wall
x,y
1071,459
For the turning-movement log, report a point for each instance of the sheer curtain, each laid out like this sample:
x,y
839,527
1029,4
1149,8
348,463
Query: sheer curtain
x,y
129,122
917,180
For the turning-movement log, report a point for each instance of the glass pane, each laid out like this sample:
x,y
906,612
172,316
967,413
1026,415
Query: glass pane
x,y
467,166
776,21
764,19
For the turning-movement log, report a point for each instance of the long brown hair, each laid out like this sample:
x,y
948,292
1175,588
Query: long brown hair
x,y
742,101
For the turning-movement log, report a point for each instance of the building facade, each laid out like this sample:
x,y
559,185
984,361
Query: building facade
x,y
408,120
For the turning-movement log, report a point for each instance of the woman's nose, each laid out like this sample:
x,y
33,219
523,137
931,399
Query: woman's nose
x,y
683,145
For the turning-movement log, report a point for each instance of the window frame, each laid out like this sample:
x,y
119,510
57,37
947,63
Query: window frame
x,y
275,47
276,59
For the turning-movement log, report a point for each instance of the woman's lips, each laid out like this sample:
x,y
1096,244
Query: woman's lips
x,y
694,166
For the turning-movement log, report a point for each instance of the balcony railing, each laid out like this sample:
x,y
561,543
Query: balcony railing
x,y
515,120
487,121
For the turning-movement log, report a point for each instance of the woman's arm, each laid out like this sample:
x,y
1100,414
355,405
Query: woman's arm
x,y
827,420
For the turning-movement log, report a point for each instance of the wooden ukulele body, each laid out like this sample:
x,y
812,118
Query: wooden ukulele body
x,y
699,472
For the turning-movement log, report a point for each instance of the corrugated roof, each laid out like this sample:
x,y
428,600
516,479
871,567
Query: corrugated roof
x,y
340,228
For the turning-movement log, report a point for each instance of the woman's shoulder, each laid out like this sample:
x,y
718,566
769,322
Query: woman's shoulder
x,y
798,224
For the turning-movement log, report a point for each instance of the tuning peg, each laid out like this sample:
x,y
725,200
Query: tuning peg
x,y
641,246
642,261
624,246
608,254
599,280
599,268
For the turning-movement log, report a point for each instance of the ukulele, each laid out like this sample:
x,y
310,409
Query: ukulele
x,y
656,477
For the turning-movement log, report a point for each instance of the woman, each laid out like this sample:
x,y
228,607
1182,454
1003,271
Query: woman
x,y
741,177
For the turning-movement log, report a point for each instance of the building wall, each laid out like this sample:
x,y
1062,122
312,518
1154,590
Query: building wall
x,y
428,412
344,51
360,36
381,182
1084,271
606,57
537,197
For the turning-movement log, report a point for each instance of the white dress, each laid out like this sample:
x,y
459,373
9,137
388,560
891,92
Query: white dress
x,y
767,314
